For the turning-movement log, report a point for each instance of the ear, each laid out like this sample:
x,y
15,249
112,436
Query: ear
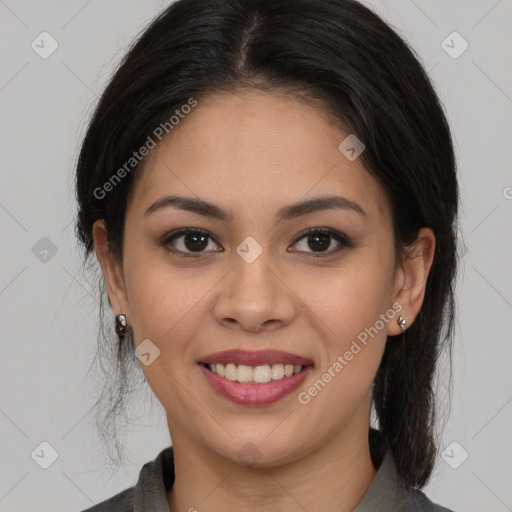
x,y
411,278
112,271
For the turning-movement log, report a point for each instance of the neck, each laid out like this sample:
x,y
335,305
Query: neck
x,y
333,477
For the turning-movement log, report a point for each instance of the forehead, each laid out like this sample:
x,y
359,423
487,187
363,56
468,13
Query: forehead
x,y
253,150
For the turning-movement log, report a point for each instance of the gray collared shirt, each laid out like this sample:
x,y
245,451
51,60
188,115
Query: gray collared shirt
x,y
385,494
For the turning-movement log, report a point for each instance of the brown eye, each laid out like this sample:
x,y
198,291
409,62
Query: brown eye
x,y
188,241
194,241
319,240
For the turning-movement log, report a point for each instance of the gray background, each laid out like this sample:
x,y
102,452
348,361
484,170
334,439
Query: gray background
x,y
49,310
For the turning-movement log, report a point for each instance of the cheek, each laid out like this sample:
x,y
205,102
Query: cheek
x,y
168,310
347,305
351,297
164,302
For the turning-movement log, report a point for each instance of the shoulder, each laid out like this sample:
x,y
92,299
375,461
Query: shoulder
x,y
387,491
121,502
149,493
417,501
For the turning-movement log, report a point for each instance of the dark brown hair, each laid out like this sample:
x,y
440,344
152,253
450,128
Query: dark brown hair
x,y
365,74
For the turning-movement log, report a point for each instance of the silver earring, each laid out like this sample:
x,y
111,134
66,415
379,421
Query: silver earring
x,y
121,325
402,323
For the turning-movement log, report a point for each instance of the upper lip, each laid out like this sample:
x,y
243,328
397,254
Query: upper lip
x,y
255,358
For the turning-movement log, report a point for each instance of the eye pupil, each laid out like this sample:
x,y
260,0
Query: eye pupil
x,y
198,241
322,237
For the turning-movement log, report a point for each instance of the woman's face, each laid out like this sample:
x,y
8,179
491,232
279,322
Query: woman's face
x,y
255,282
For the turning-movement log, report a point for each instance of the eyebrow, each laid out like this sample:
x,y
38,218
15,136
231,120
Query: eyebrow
x,y
289,212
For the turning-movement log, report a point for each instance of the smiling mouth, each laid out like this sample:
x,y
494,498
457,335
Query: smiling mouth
x,y
261,374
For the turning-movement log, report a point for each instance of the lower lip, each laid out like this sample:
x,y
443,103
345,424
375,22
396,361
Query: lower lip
x,y
255,394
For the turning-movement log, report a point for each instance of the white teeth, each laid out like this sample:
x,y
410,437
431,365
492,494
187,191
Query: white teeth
x,y
277,371
230,372
262,373
244,373
259,374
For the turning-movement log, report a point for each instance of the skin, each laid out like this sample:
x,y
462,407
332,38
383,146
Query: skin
x,y
252,153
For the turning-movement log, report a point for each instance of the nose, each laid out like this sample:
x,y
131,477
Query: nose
x,y
255,297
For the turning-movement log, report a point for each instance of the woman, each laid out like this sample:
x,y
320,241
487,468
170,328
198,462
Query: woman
x,y
270,189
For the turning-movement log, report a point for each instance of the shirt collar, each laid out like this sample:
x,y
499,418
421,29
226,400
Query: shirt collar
x,y
386,492
155,478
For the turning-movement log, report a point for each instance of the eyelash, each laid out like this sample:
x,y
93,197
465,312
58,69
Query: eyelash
x,y
339,237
